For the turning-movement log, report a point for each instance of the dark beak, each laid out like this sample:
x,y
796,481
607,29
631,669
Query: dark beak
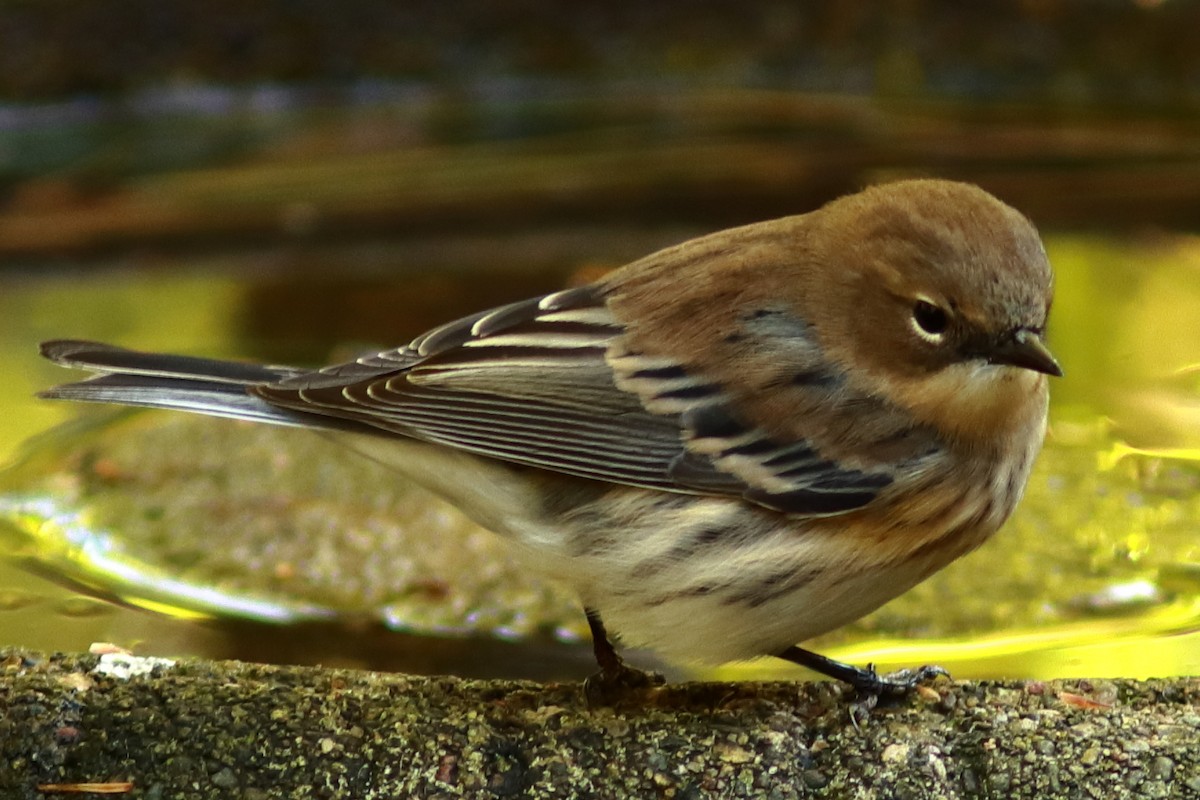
x,y
1024,348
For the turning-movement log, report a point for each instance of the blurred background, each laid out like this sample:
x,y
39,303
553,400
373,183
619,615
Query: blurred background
x,y
297,182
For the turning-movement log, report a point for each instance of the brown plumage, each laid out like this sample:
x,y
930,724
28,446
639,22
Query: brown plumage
x,y
726,447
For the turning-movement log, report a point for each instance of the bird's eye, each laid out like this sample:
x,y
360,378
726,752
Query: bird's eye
x,y
929,321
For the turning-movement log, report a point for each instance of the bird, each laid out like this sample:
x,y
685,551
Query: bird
x,y
727,447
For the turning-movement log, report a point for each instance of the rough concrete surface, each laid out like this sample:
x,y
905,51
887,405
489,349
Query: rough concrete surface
x,y
152,728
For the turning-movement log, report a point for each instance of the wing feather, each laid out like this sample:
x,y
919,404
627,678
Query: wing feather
x,y
548,383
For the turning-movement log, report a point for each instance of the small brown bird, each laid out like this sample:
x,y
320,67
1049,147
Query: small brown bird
x,y
727,447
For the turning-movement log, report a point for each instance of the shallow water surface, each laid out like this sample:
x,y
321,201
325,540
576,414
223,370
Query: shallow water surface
x,y
183,534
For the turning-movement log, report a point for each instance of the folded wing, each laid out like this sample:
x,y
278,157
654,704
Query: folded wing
x,y
535,383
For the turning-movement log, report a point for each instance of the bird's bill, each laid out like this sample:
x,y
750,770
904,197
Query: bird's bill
x,y
1025,349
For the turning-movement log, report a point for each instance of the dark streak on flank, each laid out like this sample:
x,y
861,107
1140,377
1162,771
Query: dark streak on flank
x,y
944,544
693,544
772,587
702,590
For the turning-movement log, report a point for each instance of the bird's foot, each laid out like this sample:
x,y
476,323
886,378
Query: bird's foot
x,y
871,687
617,682
897,684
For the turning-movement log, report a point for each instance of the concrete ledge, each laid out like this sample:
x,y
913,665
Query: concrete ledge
x,y
193,729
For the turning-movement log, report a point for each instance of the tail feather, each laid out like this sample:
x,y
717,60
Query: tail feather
x,y
185,383
107,358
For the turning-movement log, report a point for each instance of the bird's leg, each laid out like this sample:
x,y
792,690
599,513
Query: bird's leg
x,y
870,685
615,676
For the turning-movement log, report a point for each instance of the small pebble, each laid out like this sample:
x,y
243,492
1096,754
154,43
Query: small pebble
x,y
225,779
1162,768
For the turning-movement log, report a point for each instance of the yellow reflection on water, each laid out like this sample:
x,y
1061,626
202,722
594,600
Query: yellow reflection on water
x,y
1098,574
1160,642
168,311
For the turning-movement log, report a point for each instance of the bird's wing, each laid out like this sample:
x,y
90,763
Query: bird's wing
x,y
533,383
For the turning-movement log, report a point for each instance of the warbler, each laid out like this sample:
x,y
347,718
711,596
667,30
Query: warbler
x,y
726,447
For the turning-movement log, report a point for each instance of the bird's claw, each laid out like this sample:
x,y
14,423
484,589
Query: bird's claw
x,y
896,684
872,687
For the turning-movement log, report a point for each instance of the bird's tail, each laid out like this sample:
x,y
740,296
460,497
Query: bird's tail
x,y
186,383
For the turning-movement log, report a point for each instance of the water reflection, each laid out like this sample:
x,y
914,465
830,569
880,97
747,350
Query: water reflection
x,y
172,513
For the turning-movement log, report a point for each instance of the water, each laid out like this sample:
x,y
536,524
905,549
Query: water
x,y
195,519
157,530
